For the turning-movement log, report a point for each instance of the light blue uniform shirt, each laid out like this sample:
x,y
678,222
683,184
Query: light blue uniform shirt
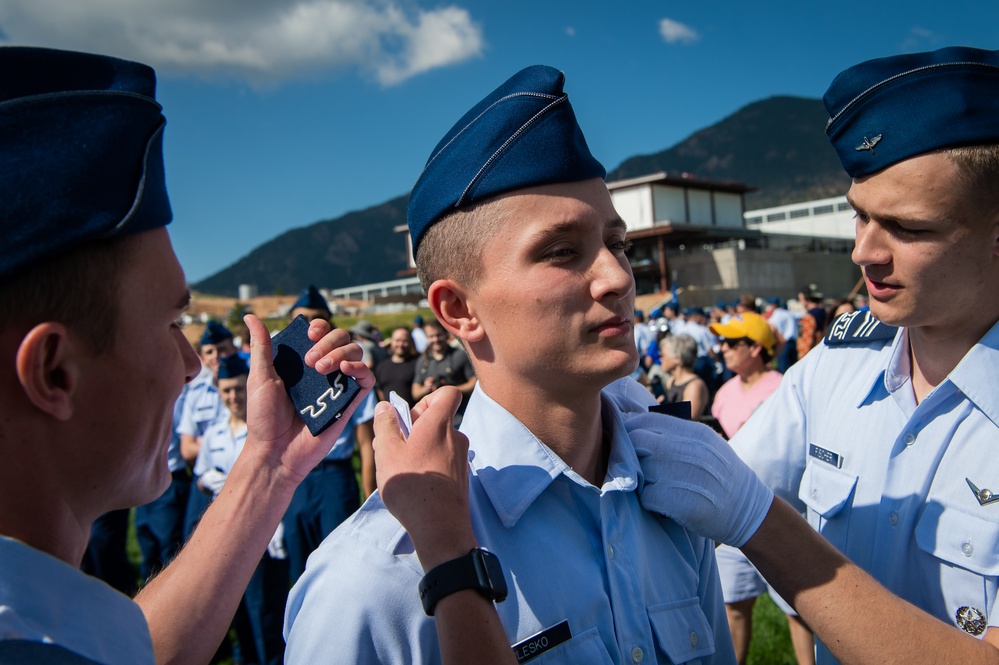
x,y
45,599
885,480
343,448
220,447
202,407
634,587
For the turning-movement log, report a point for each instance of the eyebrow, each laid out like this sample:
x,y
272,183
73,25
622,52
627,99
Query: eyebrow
x,y
895,219
571,226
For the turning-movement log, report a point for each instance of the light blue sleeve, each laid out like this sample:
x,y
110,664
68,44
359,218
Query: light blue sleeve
x,y
358,600
774,441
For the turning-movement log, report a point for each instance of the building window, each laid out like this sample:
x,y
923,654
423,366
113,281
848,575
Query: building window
x,y
843,206
799,213
776,216
822,210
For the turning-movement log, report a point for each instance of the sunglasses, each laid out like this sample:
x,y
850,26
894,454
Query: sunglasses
x,y
733,342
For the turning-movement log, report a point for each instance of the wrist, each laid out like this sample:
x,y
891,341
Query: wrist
x,y
436,547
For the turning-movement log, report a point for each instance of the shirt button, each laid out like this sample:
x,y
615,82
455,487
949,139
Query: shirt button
x,y
693,639
909,439
637,655
968,549
610,552
893,519
815,494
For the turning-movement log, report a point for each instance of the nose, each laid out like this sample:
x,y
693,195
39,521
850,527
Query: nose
x,y
611,275
192,363
869,247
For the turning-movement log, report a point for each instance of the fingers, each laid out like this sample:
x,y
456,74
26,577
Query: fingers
x,y
447,398
318,328
330,350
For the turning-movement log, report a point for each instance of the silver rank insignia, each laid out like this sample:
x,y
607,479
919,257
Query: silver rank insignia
x,y
971,620
869,144
984,497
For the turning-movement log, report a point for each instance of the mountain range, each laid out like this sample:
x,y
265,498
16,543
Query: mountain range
x,y
776,145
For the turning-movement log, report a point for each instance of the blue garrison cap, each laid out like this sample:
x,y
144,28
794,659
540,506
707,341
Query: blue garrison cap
x,y
232,366
887,110
310,298
81,156
523,134
214,333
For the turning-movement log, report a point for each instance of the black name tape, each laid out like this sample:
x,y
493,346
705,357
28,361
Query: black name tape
x,y
320,400
827,456
537,644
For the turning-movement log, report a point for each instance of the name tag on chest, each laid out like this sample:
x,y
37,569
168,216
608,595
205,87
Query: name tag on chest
x,y
539,643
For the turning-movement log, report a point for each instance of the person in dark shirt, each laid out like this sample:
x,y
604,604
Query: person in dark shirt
x,y
396,372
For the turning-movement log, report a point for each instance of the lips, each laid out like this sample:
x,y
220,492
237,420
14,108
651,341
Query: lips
x,y
618,325
878,289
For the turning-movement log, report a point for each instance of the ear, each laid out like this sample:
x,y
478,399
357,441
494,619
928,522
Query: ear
x,y
47,369
450,304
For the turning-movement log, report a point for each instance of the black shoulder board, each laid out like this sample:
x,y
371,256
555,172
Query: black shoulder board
x,y
24,652
858,328
680,410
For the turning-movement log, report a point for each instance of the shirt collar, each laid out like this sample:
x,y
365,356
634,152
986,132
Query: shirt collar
x,y
975,375
514,467
893,376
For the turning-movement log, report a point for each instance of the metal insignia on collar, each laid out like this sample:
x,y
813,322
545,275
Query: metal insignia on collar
x,y
971,620
984,497
869,144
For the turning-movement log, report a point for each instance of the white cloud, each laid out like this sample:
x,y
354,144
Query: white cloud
x,y
570,31
674,32
262,41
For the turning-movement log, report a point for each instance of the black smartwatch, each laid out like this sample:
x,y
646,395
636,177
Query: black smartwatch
x,y
479,569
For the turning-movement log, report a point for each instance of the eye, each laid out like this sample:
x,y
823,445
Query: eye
x,y
560,253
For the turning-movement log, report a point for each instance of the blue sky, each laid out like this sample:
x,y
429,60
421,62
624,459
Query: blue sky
x,y
282,113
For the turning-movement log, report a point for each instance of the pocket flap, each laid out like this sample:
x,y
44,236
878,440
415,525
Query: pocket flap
x,y
963,539
682,630
825,489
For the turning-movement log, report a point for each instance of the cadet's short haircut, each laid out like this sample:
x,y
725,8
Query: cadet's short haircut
x,y
79,289
452,247
979,170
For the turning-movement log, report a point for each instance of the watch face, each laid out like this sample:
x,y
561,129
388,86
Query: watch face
x,y
494,575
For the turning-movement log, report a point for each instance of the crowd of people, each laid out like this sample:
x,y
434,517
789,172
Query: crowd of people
x,y
570,519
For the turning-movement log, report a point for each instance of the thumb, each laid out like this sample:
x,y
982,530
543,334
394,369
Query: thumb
x,y
261,358
386,424
439,409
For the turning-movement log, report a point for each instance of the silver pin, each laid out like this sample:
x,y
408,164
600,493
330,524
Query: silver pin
x,y
869,144
984,496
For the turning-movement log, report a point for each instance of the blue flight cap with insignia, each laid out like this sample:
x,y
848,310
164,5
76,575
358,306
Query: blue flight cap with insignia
x,y
310,298
523,134
232,366
214,333
82,152
890,109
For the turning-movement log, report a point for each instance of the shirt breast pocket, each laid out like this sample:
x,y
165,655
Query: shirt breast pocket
x,y
682,630
586,648
826,491
968,546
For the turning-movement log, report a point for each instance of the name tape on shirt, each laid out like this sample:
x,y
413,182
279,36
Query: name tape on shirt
x,y
827,456
539,643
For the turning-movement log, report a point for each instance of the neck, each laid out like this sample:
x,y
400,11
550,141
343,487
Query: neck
x,y
569,424
935,352
749,378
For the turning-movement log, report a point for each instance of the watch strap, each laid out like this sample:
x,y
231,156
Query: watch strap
x,y
478,570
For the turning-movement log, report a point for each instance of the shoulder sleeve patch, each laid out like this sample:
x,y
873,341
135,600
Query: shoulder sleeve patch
x,y
858,328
